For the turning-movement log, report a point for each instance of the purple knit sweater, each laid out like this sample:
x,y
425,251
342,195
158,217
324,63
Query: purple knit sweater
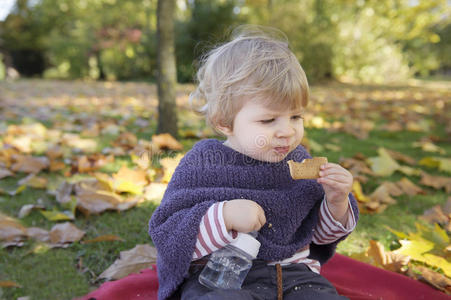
x,y
212,172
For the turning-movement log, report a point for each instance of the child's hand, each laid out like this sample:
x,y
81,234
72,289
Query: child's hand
x,y
337,184
243,215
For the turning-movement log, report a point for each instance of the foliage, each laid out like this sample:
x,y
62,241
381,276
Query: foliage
x,y
369,41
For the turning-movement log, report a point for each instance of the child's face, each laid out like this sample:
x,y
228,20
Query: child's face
x,y
265,134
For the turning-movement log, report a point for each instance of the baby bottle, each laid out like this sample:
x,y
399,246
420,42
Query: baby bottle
x,y
228,267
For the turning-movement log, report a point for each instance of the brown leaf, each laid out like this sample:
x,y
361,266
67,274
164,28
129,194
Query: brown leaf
x,y
56,165
435,279
166,141
85,164
402,157
126,140
435,215
64,191
97,202
65,233
377,252
103,238
9,284
131,261
5,173
29,164
409,187
34,181
11,230
436,182
447,207
38,234
54,153
382,195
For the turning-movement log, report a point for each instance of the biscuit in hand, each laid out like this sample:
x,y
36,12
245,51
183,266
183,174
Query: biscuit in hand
x,y
307,169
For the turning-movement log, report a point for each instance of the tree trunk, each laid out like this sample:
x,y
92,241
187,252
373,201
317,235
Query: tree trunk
x,y
167,73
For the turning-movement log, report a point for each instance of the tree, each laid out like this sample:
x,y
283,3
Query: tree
x,y
167,72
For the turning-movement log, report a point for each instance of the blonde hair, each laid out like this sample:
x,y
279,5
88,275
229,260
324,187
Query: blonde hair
x,y
256,63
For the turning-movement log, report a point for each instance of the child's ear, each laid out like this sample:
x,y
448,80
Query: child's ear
x,y
224,129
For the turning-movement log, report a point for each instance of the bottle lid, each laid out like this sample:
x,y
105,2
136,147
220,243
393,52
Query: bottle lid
x,y
247,243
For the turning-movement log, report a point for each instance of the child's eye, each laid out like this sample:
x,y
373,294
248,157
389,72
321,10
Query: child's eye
x,y
297,117
267,121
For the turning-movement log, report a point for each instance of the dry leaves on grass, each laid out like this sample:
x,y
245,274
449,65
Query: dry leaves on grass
x,y
13,233
416,251
131,261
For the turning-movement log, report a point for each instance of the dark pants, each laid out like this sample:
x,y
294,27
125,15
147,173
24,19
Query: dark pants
x,y
298,282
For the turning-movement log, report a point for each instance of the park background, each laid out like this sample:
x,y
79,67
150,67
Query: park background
x,y
84,159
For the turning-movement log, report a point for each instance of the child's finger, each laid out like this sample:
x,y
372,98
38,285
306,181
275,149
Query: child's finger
x,y
337,177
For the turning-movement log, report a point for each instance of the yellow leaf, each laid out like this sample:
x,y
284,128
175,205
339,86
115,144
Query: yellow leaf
x,y
415,248
357,191
384,164
438,262
56,215
442,163
169,165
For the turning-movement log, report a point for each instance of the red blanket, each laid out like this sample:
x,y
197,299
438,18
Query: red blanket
x,y
353,279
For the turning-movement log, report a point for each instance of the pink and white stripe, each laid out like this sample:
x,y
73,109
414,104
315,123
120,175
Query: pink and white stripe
x,y
328,230
213,234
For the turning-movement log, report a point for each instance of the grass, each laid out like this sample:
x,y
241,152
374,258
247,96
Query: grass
x,y
71,272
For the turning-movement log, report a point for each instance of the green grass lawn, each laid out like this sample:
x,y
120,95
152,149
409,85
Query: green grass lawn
x,y
66,273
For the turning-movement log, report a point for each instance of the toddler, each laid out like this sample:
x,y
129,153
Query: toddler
x,y
255,93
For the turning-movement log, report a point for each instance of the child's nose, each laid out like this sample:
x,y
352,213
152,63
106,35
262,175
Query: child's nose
x,y
285,130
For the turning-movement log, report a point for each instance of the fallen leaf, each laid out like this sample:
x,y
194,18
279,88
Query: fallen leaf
x,y
9,284
358,193
38,234
11,230
126,140
37,182
436,182
27,208
428,146
409,187
131,261
443,164
384,164
435,215
169,165
155,191
167,141
128,180
29,164
65,233
435,279
5,173
401,157
382,195
64,191
74,141
103,238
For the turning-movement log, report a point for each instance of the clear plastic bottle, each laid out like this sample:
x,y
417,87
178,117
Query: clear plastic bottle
x,y
228,267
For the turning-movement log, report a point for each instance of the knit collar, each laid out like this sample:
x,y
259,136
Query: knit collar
x,y
241,170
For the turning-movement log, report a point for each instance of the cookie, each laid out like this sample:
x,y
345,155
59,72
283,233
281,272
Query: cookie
x,y
307,169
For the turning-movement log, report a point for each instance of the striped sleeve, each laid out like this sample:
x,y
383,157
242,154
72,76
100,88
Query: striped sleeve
x,y
213,234
328,230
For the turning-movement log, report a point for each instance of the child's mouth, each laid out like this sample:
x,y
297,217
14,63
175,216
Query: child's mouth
x,y
282,150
